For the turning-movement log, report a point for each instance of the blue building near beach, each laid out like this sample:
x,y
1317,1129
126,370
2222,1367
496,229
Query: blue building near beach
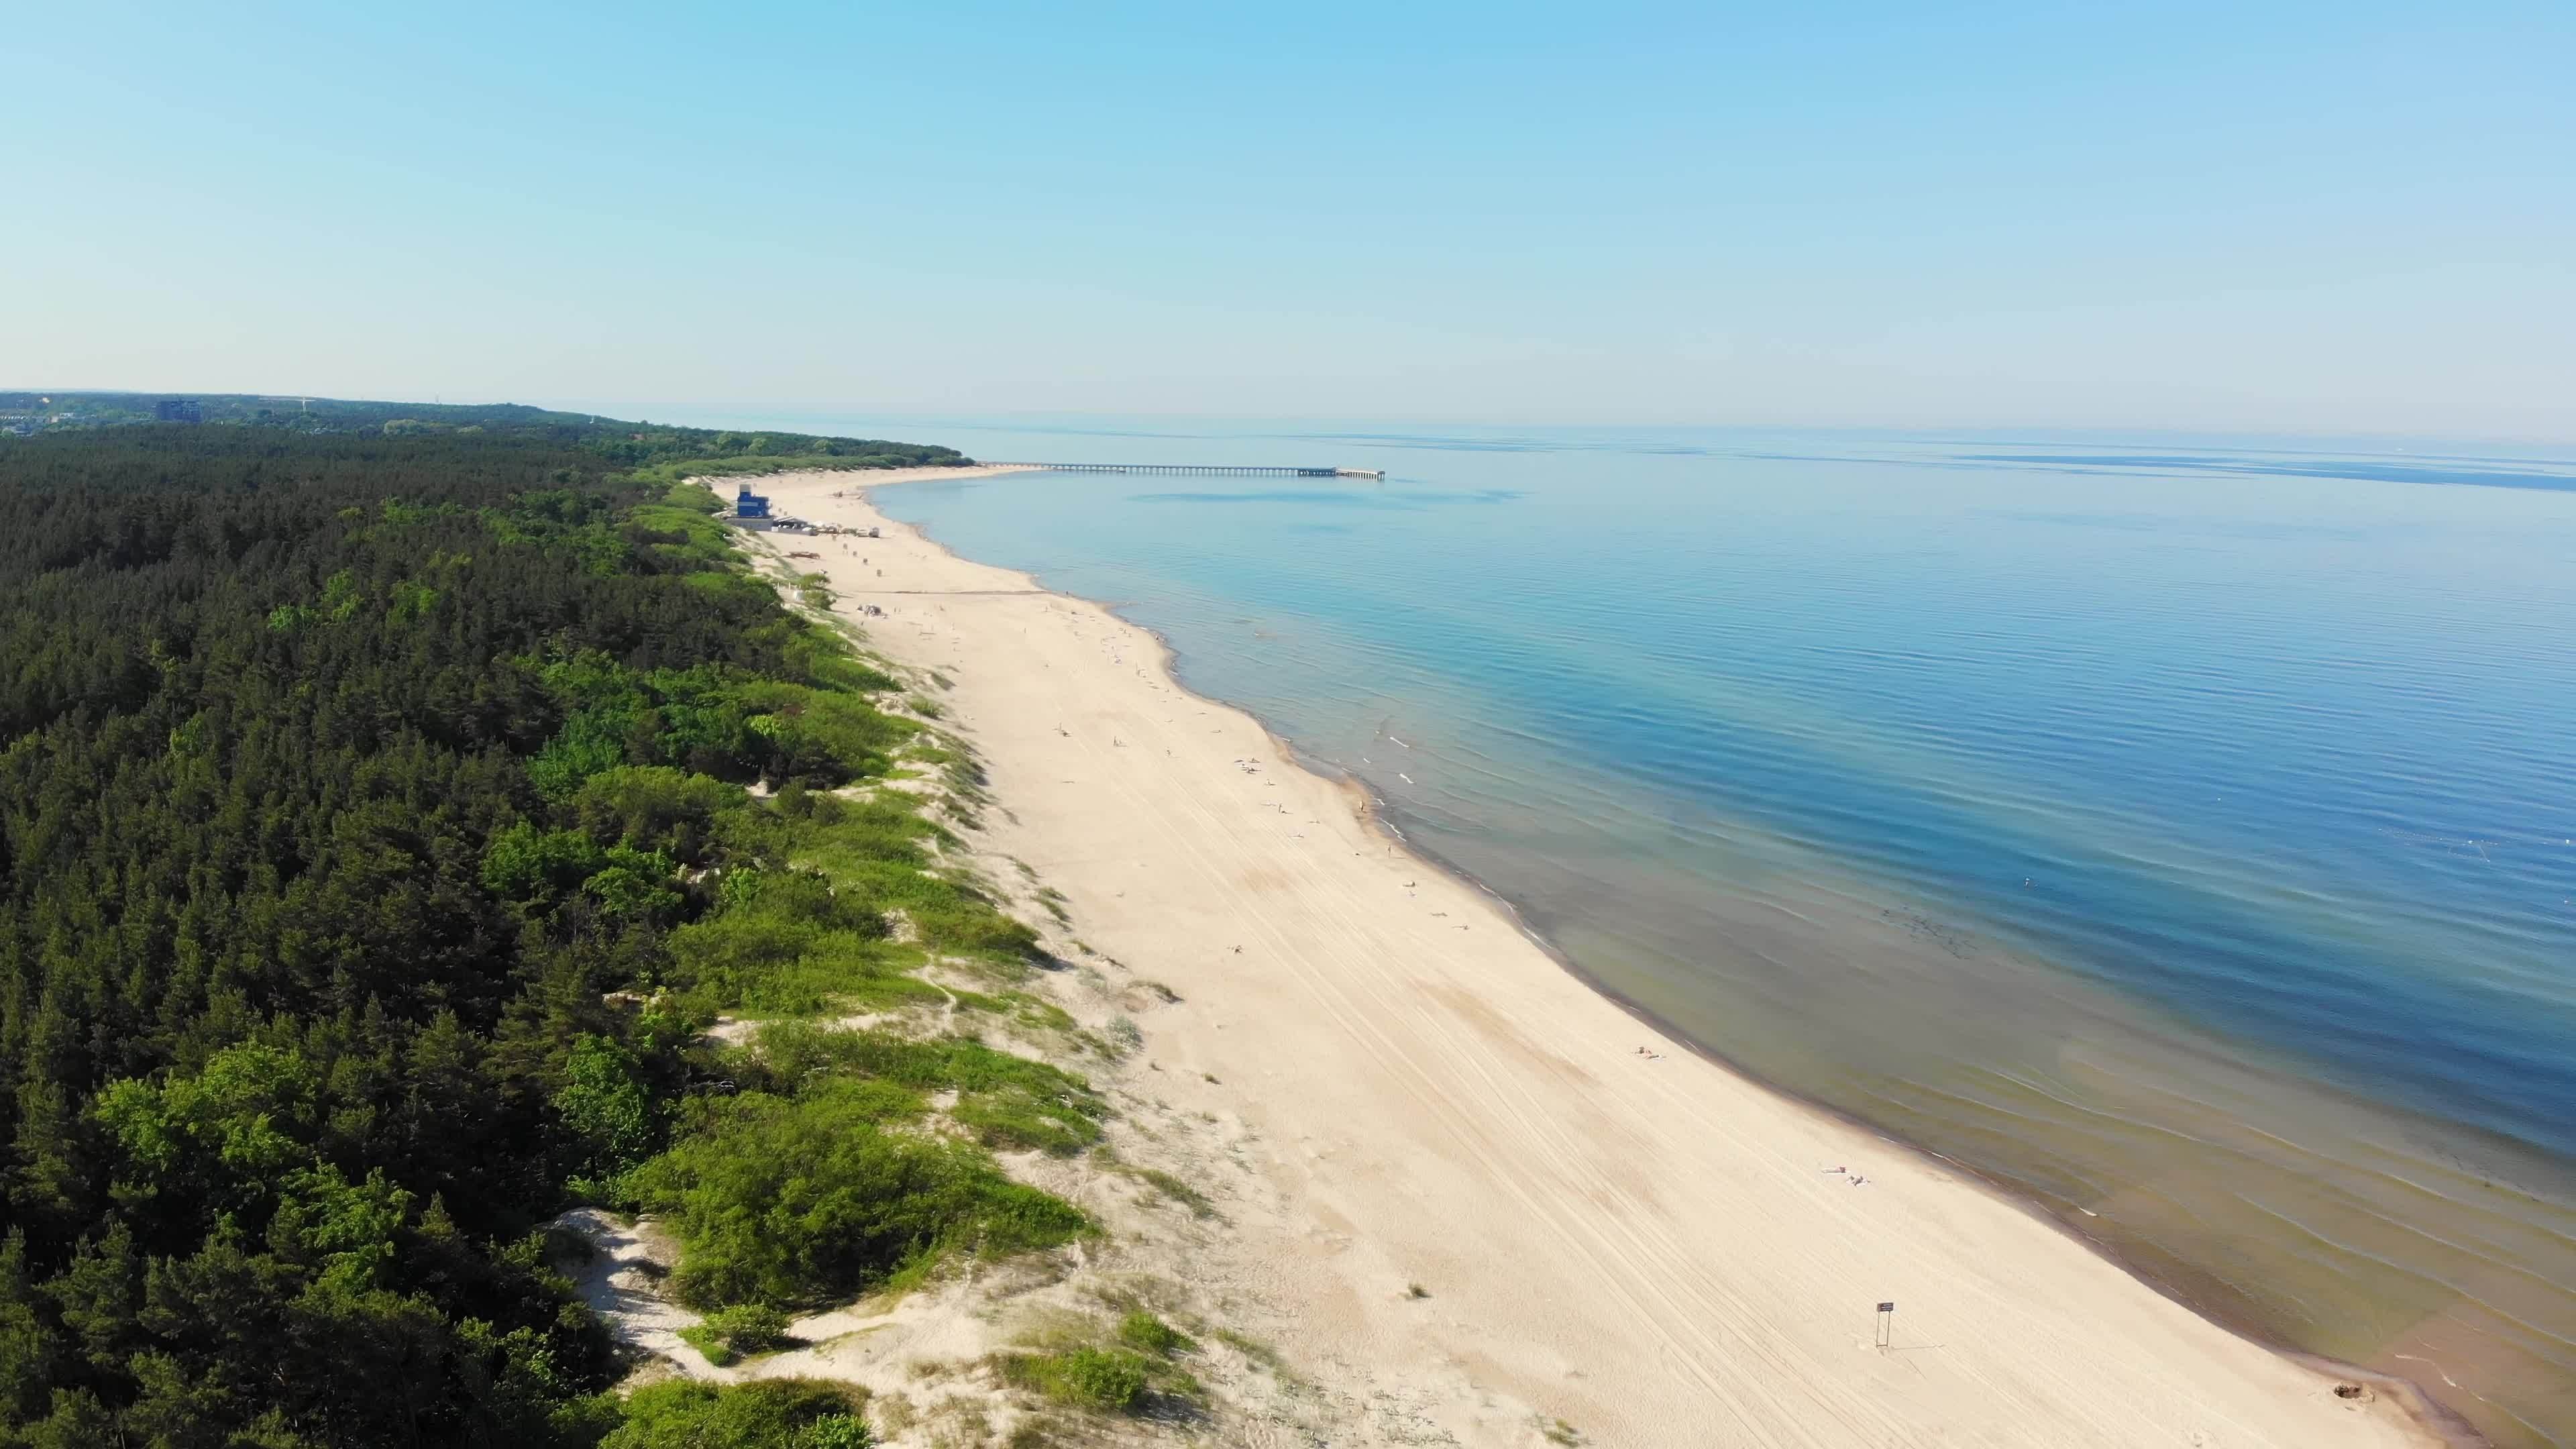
x,y
747,504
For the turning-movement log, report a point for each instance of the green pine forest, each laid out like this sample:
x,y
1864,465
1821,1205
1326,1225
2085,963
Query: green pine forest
x,y
388,803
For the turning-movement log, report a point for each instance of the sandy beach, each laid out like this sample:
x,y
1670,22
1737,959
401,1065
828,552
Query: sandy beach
x,y
1464,1181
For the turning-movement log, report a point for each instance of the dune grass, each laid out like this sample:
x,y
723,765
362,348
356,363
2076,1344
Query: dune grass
x,y
1084,1364
763,1414
1006,1100
729,1335
815,1164
812,1199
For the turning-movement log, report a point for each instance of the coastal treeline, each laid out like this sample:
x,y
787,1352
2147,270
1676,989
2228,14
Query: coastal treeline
x,y
627,444
377,839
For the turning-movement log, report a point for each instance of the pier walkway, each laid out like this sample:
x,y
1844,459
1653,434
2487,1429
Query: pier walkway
x,y
1240,470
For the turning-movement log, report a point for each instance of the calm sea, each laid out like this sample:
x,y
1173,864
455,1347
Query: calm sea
x,y
2183,834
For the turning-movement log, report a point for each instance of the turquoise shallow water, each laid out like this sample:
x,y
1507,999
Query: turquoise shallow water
x,y
2184,835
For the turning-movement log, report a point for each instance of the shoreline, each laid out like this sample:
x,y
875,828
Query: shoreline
x,y
2441,1424
2274,1394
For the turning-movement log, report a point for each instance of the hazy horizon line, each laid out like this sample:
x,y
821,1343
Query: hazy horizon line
x,y
666,411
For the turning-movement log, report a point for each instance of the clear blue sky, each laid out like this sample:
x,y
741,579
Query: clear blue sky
x,y
2336,217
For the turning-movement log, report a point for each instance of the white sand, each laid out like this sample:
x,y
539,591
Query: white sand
x,y
1654,1250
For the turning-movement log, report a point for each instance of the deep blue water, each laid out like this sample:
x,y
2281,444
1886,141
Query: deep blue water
x,y
2183,833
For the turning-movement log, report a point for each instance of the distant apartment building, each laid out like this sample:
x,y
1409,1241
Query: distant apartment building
x,y
178,410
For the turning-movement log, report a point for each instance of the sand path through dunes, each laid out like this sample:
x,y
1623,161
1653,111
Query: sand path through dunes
x,y
1651,1249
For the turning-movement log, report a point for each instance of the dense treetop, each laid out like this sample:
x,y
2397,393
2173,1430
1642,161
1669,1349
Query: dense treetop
x,y
621,443
374,843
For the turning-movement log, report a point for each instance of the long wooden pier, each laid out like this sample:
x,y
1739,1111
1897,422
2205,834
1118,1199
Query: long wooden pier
x,y
1239,470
